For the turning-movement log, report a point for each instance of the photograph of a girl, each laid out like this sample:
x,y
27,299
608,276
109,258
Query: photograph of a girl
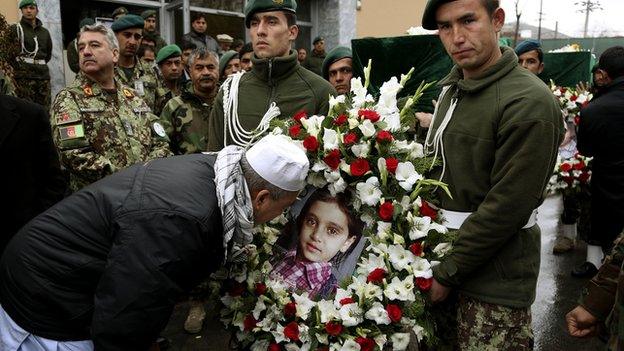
x,y
323,235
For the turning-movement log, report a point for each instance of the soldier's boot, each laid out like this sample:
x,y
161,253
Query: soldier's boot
x,y
195,319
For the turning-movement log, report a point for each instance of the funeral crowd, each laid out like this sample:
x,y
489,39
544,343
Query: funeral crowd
x,y
133,184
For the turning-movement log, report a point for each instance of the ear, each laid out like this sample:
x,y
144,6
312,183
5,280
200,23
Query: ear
x,y
347,244
261,199
115,55
293,32
541,67
498,19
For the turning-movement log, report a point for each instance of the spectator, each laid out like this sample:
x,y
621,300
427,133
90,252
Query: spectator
x,y
225,43
314,61
198,35
246,54
301,55
229,64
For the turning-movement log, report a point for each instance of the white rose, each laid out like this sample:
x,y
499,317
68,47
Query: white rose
x,y
361,150
400,341
368,128
406,175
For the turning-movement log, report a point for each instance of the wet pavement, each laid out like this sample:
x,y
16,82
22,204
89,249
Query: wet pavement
x,y
557,293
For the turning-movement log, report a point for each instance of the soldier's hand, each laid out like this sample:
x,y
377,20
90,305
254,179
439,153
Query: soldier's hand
x,y
438,292
424,119
581,323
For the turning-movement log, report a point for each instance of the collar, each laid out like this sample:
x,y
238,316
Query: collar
x,y
318,53
276,68
38,22
316,273
91,88
504,65
188,94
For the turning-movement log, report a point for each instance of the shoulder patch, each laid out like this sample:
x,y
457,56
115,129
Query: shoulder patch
x,y
127,93
71,132
66,118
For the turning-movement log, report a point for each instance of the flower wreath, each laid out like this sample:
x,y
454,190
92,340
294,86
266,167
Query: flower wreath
x,y
571,101
361,146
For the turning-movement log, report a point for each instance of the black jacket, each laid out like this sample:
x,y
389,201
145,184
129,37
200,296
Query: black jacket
x,y
31,177
109,262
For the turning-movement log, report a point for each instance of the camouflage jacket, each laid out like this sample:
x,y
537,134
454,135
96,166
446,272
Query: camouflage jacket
x,y
39,49
603,296
185,119
160,42
164,94
98,133
144,81
6,85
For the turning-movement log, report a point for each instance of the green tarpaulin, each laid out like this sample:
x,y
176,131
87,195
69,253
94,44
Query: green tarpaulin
x,y
567,68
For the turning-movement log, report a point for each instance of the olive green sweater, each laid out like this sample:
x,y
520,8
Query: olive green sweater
x,y
500,148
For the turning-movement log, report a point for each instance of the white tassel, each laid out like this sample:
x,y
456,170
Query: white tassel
x,y
437,143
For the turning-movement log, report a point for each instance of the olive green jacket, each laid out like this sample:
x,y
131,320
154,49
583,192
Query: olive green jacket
x,y
281,80
144,81
43,50
314,62
500,149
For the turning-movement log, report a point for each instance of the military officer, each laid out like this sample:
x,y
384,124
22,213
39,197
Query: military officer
x,y
130,70
72,47
32,76
185,117
99,125
229,64
149,27
169,61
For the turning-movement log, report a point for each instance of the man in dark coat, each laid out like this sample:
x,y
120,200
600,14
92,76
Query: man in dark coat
x,y
32,180
601,135
103,268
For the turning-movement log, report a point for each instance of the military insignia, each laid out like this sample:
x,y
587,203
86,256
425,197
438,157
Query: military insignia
x,y
279,2
139,87
127,93
66,118
159,129
88,90
128,127
71,132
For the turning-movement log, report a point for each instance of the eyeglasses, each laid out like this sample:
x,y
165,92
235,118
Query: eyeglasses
x,y
129,35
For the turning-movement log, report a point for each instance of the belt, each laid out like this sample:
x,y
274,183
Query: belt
x,y
454,219
31,60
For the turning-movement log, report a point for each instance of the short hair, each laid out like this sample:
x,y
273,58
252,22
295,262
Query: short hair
x,y
256,183
540,54
143,49
291,18
201,53
188,45
102,29
198,15
612,61
491,6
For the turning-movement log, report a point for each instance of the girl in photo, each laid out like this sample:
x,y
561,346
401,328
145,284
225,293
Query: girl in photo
x,y
327,232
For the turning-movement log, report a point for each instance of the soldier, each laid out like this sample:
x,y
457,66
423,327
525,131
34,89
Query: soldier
x,y
185,117
314,61
149,28
72,47
130,70
531,56
302,54
32,76
278,85
338,69
198,35
169,62
118,12
187,48
99,125
147,56
246,53
229,64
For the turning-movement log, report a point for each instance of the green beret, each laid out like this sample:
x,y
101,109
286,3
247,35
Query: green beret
x,y
120,11
255,6
526,46
24,3
148,13
86,22
317,39
127,21
429,16
168,51
337,53
227,57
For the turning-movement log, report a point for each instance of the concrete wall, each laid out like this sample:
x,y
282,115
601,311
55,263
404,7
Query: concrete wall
x,y
336,22
386,18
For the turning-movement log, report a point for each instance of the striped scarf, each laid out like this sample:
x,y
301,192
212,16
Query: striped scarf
x,y
235,204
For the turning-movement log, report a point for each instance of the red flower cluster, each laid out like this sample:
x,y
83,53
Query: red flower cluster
x,y
424,284
249,323
291,331
332,159
394,312
350,138
392,164
333,328
376,276
386,210
416,248
346,301
274,347
366,344
384,136
294,130
359,167
340,120
371,115
427,211
237,289
290,309
310,143
299,115
260,289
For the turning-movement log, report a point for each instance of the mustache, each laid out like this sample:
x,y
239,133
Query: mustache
x,y
206,79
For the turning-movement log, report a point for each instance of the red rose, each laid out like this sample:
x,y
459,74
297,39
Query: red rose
x,y
392,164
565,167
359,167
237,289
371,115
333,328
384,136
563,90
249,323
376,276
366,344
310,143
394,312
290,309
291,331
261,288
346,301
568,180
579,166
416,248
424,284
386,210
274,347
584,177
299,115
428,211
577,120
294,130
332,159
350,138
340,120
573,98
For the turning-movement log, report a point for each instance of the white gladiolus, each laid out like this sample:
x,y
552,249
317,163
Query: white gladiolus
x,y
304,305
442,249
400,341
337,187
331,139
369,192
399,257
378,313
260,345
361,150
328,311
368,128
419,332
421,268
351,314
349,345
402,290
419,226
406,175
340,295
260,306
334,101
312,124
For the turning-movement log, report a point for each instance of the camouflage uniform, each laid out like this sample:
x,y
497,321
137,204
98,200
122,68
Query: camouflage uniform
x,y
98,133
603,296
144,81
483,326
164,94
6,86
185,119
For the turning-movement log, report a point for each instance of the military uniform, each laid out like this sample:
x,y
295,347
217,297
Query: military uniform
x,y
314,62
32,76
185,119
6,86
143,80
99,132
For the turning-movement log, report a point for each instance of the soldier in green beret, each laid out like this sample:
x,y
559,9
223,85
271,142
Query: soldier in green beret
x,y
277,83
72,47
149,28
229,64
338,69
32,76
130,70
169,61
118,12
314,61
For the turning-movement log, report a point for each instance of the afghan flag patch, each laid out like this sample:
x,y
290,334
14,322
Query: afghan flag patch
x,y
71,132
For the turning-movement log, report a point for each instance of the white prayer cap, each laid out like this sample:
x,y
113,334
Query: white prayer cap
x,y
280,162
225,38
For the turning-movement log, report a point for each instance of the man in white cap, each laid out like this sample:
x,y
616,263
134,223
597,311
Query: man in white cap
x,y
112,259
225,43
